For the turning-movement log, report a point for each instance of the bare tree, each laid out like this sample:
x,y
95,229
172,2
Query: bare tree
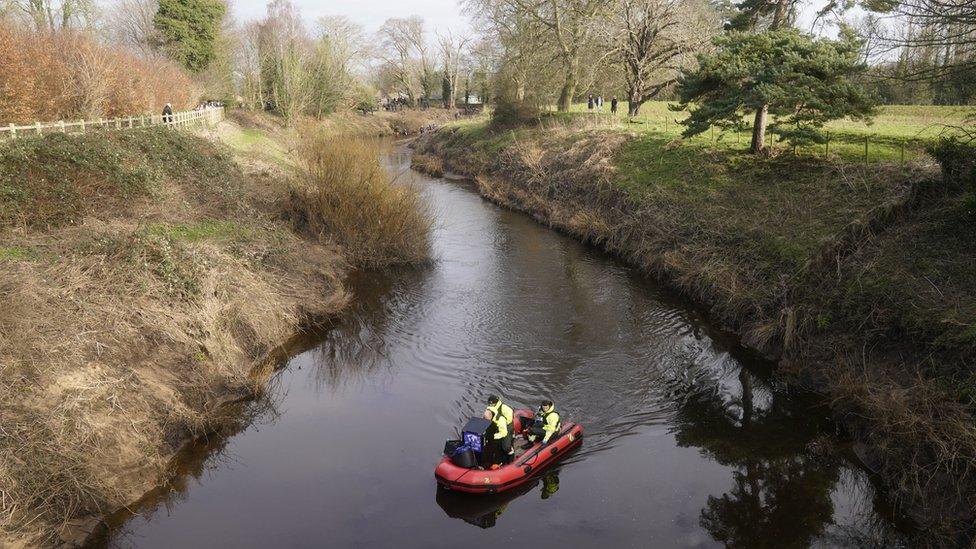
x,y
339,44
248,61
55,15
283,45
936,39
405,43
483,62
131,25
572,26
512,30
654,39
452,51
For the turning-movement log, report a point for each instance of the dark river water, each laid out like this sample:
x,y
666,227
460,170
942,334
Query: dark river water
x,y
688,443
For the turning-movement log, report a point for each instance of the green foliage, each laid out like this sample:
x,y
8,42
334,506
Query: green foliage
x,y
190,29
16,253
512,114
58,179
805,82
366,100
958,161
446,90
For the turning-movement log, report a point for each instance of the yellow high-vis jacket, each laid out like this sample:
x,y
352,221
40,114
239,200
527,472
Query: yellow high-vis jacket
x,y
502,415
550,424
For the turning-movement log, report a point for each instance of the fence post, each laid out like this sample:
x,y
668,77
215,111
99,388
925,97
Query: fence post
x,y
63,130
118,123
865,149
903,154
37,128
82,126
13,131
827,148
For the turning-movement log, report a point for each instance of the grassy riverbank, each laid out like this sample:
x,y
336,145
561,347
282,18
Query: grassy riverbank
x,y
143,277
860,277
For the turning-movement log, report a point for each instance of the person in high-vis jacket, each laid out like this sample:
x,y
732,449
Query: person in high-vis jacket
x,y
547,424
502,416
494,453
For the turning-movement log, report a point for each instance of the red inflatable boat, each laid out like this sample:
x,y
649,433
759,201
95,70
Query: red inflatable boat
x,y
527,462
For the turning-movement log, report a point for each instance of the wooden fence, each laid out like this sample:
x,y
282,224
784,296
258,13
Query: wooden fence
x,y
203,117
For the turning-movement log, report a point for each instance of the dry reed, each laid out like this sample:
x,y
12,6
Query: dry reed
x,y
344,194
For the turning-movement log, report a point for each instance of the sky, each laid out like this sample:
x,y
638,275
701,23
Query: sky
x,y
438,14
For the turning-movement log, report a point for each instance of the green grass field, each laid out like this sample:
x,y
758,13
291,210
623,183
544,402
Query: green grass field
x,y
899,131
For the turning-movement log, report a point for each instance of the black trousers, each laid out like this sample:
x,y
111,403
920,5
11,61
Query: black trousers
x,y
506,446
539,432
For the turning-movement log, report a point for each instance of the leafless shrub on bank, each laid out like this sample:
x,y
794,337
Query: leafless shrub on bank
x,y
346,195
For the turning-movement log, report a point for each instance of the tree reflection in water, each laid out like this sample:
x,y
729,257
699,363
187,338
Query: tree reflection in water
x,y
786,467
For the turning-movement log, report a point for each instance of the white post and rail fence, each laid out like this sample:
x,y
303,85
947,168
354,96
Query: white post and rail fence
x,y
206,117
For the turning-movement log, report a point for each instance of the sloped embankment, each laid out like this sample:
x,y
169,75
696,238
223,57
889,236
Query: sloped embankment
x,y
142,277
862,279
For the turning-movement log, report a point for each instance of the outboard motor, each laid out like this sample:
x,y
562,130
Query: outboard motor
x,y
467,452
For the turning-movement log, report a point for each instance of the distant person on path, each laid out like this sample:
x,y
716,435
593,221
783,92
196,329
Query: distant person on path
x,y
599,103
167,114
613,105
589,102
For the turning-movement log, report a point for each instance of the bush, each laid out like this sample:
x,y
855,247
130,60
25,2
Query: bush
x,y
513,114
365,99
958,161
346,195
69,75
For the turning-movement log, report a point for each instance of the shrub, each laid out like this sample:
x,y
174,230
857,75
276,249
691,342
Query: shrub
x,y
512,114
346,195
69,75
958,161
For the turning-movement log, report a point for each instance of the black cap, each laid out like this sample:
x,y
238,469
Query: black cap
x,y
492,399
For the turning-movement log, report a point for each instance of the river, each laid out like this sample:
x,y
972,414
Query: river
x,y
688,442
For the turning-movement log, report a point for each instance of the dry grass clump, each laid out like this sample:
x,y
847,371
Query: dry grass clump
x,y
427,163
408,122
69,75
916,438
345,194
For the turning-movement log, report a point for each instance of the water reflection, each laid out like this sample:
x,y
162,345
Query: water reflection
x,y
688,441
485,511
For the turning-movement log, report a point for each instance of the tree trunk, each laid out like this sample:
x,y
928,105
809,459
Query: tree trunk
x,y
759,129
567,93
633,103
779,16
747,406
519,88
